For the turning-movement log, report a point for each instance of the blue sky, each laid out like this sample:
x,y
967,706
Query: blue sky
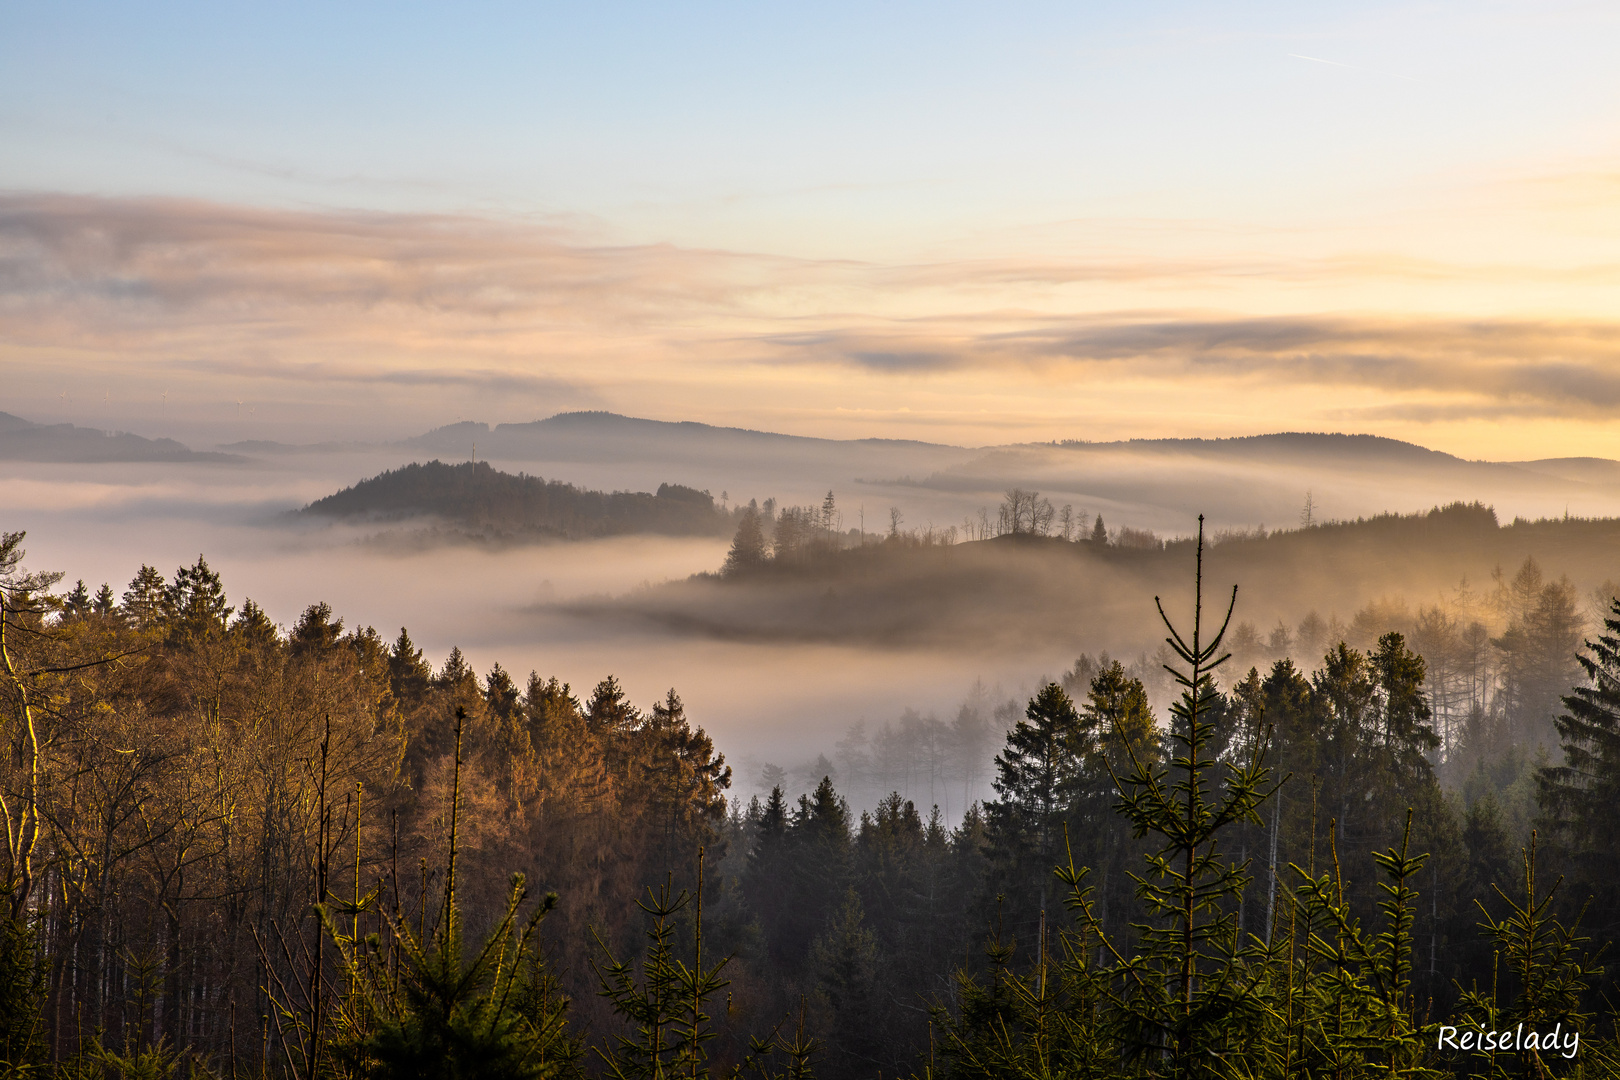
x,y
954,118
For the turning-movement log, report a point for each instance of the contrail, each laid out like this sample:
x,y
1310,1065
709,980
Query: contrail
x,y
1352,67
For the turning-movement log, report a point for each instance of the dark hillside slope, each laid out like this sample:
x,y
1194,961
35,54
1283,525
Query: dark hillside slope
x,y
482,499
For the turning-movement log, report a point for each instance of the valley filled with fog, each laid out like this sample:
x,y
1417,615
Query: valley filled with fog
x,y
783,671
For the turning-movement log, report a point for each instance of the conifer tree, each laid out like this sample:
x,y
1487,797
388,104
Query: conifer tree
x,y
767,881
254,627
195,599
1119,721
442,1011
76,604
1034,776
143,600
409,673
1118,727
1185,992
820,843
846,960
666,1005
1356,1012
1399,673
23,973
316,632
1541,978
1581,797
747,547
609,712
500,693
457,675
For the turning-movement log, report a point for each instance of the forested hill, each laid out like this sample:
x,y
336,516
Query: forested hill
x,y
480,498
1030,588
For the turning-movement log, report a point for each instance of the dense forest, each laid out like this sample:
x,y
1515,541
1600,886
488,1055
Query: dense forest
x,y
474,499
234,849
1499,651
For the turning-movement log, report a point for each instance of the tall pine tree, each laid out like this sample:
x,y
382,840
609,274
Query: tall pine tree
x,y
1581,797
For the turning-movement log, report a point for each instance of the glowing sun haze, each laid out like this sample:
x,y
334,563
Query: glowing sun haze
x,y
950,222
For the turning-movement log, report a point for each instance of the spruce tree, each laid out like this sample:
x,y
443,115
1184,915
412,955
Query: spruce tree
x,y
1399,673
1118,727
666,1002
820,868
254,628
1581,797
23,973
1034,777
316,632
1186,994
419,1002
76,604
143,600
846,962
457,674
747,547
195,599
609,713
501,693
409,674
766,882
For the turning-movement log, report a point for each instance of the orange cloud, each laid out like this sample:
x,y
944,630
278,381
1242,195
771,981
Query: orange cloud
x,y
432,307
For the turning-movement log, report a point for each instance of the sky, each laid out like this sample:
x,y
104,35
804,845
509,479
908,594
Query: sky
x,y
962,223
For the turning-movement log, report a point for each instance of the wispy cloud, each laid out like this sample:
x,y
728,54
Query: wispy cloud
x,y
494,310
173,254
1485,367
339,374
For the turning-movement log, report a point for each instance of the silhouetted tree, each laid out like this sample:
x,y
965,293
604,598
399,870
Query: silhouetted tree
x,y
747,547
1581,797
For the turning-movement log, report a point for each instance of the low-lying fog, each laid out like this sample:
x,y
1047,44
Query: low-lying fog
x,y
764,701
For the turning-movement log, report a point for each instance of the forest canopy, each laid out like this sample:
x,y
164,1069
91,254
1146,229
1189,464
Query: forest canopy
x,y
240,849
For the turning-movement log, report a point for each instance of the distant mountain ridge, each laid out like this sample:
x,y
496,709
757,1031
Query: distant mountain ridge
x,y
1328,443
611,437
553,437
1584,470
1156,483
24,440
599,422
495,504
